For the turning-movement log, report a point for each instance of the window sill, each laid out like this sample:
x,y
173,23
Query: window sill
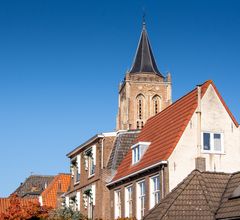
x,y
91,176
76,183
213,152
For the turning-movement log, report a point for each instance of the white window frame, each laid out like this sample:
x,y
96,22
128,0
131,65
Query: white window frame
x,y
117,204
129,201
140,210
138,151
73,202
76,169
91,161
153,192
78,200
212,150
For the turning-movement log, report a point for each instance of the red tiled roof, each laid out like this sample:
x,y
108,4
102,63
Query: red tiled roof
x,y
60,184
164,131
5,203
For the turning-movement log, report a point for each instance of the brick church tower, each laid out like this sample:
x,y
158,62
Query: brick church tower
x,y
144,91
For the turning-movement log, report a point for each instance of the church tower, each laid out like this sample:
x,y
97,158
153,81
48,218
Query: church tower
x,y
144,91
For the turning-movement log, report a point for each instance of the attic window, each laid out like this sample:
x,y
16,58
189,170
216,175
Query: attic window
x,y
212,142
138,150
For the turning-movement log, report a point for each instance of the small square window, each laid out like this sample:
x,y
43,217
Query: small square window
x,y
212,142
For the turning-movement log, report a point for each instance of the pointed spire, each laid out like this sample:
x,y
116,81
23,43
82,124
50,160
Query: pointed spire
x,y
144,60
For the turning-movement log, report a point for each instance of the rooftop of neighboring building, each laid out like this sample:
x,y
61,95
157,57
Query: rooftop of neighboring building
x,y
201,195
124,140
56,188
33,186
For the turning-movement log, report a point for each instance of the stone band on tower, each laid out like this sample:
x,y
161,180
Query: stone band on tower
x,y
144,91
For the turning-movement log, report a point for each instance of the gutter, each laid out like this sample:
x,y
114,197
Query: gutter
x,y
89,141
163,162
84,144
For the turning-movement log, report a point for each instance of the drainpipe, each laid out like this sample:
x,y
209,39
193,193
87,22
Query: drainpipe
x,y
200,162
199,121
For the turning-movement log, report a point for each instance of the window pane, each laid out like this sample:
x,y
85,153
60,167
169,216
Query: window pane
x,y
138,154
206,141
217,142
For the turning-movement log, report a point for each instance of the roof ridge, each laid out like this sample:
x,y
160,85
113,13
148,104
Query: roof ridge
x,y
173,104
193,173
64,174
208,82
203,187
225,105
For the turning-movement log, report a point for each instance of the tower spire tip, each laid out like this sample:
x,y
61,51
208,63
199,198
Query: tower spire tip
x,y
144,19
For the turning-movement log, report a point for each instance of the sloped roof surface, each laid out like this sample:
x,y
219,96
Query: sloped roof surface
x,y
60,184
5,203
230,206
144,60
164,131
202,195
33,186
196,197
122,143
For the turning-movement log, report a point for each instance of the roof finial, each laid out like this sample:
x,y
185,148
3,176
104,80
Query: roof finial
x,y
144,19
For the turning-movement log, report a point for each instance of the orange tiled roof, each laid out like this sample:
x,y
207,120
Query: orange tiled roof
x,y
5,203
60,184
164,131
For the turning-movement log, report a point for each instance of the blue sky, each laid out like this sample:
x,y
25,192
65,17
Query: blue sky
x,y
61,63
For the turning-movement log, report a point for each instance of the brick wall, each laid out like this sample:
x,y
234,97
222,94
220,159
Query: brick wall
x,y
163,174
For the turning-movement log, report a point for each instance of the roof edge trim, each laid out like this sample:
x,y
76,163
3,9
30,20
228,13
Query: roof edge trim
x,y
89,141
163,162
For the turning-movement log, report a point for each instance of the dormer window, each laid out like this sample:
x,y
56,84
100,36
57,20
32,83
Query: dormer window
x,y
138,150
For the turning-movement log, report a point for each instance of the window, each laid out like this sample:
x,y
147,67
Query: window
x,y
138,150
136,154
154,191
76,168
156,104
140,108
90,160
89,198
212,142
73,203
128,201
140,113
140,200
117,204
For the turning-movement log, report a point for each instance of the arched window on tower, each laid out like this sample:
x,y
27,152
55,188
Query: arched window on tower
x,y
156,104
140,110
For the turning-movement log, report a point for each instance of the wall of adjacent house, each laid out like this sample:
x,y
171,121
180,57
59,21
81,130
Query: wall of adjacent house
x,y
133,181
214,118
102,194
